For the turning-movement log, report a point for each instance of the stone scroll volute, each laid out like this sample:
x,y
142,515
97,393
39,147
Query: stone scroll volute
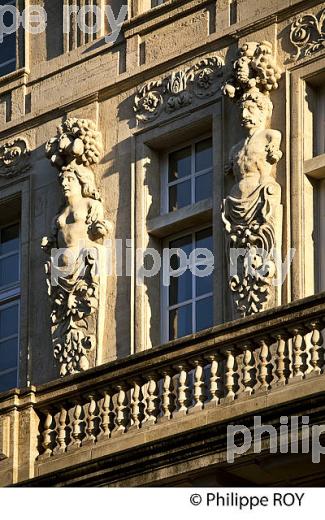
x,y
76,286
252,212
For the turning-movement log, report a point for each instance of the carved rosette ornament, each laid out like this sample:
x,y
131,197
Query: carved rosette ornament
x,y
14,157
177,90
307,34
74,272
252,212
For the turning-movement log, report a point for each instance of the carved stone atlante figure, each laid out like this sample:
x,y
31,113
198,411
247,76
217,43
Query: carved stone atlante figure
x,y
252,159
77,230
252,213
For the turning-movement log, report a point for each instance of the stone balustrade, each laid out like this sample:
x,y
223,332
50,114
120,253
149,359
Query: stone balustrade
x,y
232,362
266,360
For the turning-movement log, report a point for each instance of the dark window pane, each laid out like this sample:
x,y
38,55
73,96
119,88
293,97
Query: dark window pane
x,y
203,155
8,381
204,284
8,52
9,321
204,313
203,239
179,195
9,239
180,322
203,187
8,354
9,270
183,243
179,164
10,67
9,18
180,288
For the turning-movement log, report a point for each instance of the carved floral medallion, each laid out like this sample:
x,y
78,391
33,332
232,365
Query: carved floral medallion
x,y
14,157
177,90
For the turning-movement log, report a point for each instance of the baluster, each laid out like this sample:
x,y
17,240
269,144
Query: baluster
x,y
297,353
61,432
76,430
316,341
280,360
229,379
198,387
151,400
47,441
90,420
247,367
214,381
263,373
181,391
166,397
135,405
105,419
120,412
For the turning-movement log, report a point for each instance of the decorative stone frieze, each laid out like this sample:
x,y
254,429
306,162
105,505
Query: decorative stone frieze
x,y
252,212
74,272
14,157
307,34
177,90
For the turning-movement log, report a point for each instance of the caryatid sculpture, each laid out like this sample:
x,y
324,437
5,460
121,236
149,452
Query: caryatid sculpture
x,y
74,273
252,212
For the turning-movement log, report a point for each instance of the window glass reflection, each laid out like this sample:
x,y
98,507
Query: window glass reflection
x,y
180,322
203,155
180,164
204,313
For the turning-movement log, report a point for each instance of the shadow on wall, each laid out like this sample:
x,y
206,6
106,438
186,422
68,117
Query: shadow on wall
x,y
45,201
54,32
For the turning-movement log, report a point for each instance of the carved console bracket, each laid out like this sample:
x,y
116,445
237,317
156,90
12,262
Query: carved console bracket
x,y
307,34
252,212
76,289
177,90
14,157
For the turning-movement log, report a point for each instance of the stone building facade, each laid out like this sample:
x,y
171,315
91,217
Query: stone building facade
x,y
197,124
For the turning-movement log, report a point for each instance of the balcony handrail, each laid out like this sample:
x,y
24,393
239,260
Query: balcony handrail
x,y
232,334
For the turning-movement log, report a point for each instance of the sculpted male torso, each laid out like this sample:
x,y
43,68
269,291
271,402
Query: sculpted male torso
x,y
252,159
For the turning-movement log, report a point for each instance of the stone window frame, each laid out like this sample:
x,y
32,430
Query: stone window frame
x,y
16,195
149,227
306,170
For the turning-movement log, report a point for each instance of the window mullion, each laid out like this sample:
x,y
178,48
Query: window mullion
x,y
193,289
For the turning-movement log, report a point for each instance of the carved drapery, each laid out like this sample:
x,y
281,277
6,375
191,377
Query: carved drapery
x,y
307,34
252,212
74,273
177,90
14,157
